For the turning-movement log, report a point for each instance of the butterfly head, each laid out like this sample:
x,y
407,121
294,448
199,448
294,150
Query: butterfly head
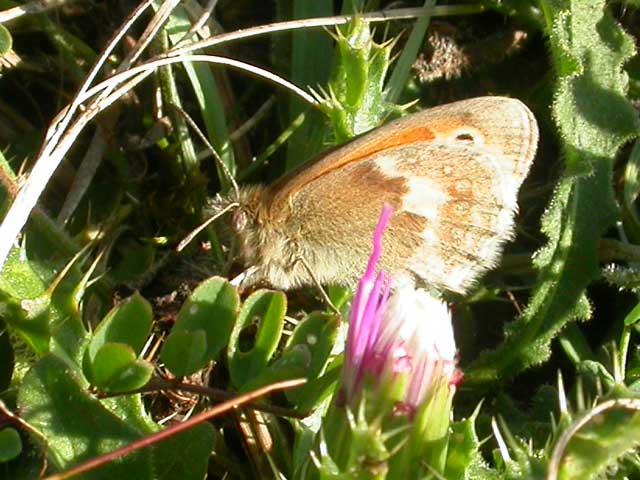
x,y
248,226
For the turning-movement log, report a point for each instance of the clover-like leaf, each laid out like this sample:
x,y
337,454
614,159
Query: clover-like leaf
x,y
316,335
211,308
184,353
129,324
265,309
116,369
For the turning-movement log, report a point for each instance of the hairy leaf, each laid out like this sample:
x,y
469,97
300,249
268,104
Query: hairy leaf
x,y
594,119
79,427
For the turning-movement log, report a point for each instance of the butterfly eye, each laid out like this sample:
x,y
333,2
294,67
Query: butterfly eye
x,y
465,137
239,220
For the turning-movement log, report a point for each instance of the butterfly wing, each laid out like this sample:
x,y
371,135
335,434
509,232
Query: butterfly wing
x,y
454,192
503,126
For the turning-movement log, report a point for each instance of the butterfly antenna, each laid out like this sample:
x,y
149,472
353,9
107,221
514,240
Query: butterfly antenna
x,y
186,240
239,280
223,166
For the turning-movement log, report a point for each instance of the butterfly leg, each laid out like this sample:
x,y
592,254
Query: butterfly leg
x,y
315,281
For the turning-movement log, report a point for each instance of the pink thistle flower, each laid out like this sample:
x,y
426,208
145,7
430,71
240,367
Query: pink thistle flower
x,y
366,314
417,338
406,336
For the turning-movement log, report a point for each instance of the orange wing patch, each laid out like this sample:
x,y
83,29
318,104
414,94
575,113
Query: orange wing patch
x,y
401,132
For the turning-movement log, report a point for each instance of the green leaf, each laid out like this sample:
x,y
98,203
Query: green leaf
x,y
464,448
316,335
211,308
594,120
40,302
591,110
116,369
5,41
24,303
170,464
10,444
525,11
633,316
267,308
339,295
292,364
607,436
19,277
78,427
184,353
312,394
128,323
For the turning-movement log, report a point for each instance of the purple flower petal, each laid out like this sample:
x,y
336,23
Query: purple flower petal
x,y
407,333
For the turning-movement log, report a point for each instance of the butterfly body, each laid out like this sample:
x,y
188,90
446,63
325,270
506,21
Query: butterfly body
x,y
451,174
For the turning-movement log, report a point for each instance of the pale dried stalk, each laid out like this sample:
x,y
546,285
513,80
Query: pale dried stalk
x,y
56,146
93,157
150,66
88,167
371,17
59,138
30,8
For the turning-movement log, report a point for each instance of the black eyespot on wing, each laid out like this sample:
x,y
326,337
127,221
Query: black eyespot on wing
x,y
465,137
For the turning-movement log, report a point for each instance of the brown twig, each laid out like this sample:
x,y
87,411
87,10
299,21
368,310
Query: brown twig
x,y
175,429
159,383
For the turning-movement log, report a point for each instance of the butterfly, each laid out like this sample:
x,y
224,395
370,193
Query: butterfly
x,y
451,174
